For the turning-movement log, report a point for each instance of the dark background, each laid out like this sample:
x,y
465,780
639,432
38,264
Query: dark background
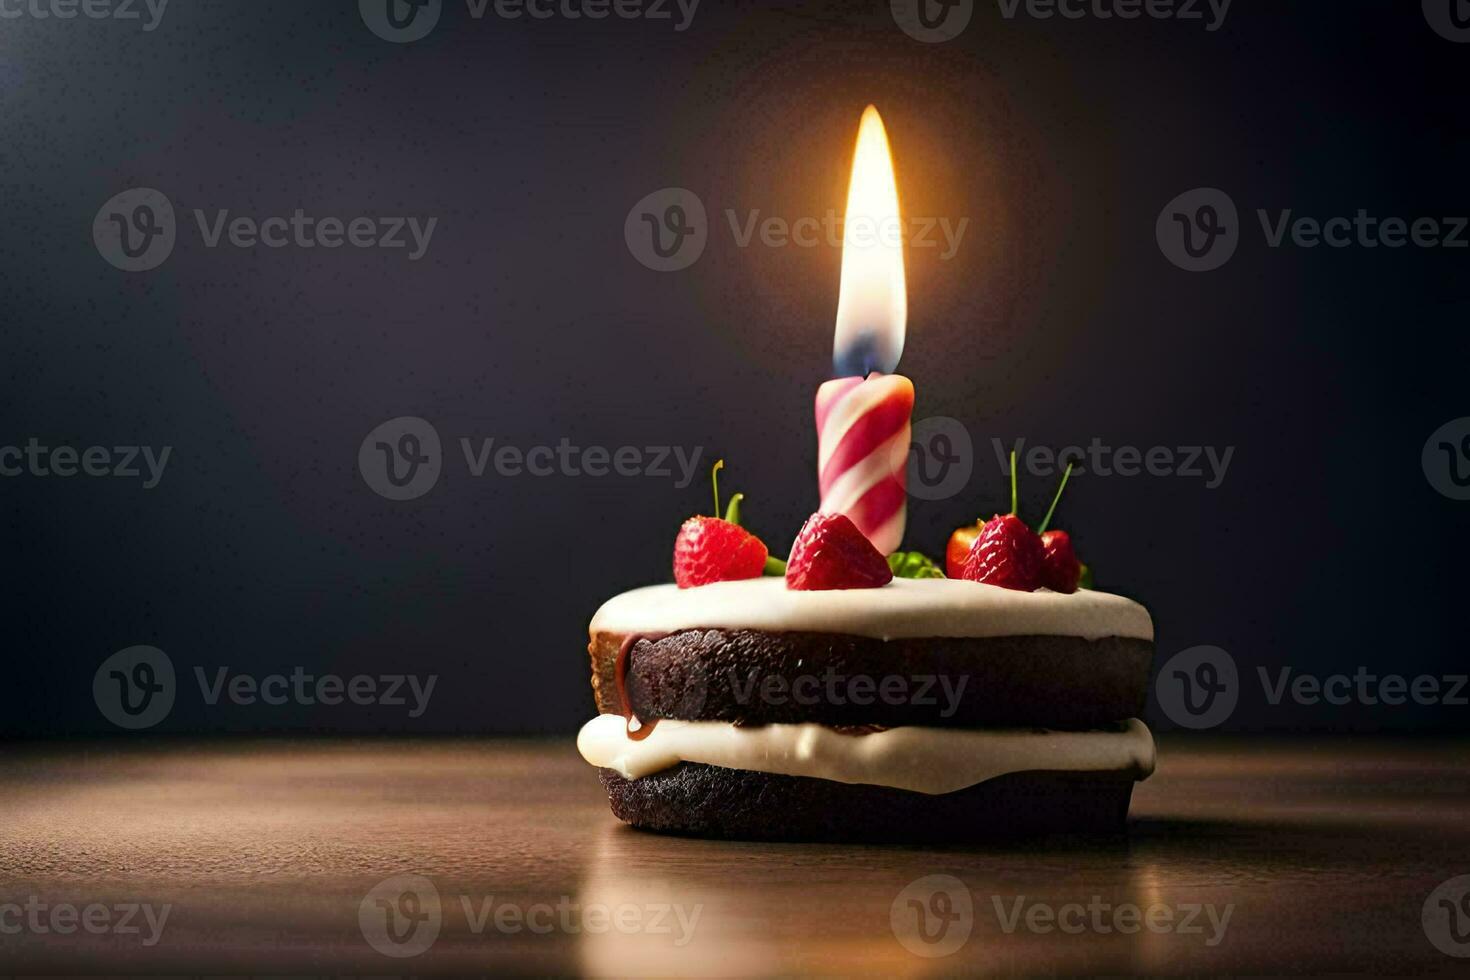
x,y
529,320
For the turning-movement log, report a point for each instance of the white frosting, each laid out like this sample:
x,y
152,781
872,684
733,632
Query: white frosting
x,y
923,760
904,608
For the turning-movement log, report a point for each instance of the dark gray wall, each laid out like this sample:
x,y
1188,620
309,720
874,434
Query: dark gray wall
x,y
1058,320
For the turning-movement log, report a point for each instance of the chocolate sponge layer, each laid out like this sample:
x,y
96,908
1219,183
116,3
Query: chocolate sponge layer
x,y
754,677
708,801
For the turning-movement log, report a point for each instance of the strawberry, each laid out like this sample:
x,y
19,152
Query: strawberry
x,y
1061,571
831,553
1008,554
957,552
709,549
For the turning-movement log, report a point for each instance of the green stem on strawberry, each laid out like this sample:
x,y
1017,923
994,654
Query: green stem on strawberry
x,y
1013,482
1052,509
732,512
714,478
774,566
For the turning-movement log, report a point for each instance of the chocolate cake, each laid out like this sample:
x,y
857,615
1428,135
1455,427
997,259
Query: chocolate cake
x,y
928,709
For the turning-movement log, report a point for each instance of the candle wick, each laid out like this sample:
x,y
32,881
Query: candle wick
x,y
863,356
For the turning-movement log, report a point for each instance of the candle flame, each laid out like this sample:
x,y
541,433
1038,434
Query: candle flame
x,y
872,303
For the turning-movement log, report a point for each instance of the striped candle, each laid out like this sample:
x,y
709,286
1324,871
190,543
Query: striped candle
x,y
862,453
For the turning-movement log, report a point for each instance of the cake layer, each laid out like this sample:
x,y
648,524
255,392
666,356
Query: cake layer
x,y
929,761
905,608
758,678
709,801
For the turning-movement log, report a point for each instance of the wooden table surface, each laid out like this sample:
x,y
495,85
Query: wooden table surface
x,y
1321,852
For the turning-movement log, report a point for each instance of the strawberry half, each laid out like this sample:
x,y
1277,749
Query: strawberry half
x,y
1060,571
1008,554
831,553
709,549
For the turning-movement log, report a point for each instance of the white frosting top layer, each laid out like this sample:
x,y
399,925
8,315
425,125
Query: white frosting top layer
x,y
904,608
922,760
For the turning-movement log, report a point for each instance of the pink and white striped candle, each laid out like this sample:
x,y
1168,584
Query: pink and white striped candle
x,y
863,413
862,453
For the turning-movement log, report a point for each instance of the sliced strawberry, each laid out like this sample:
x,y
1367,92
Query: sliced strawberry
x,y
1060,571
709,549
1008,554
831,553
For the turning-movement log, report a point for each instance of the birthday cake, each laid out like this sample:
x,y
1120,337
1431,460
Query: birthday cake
x,y
857,691
839,701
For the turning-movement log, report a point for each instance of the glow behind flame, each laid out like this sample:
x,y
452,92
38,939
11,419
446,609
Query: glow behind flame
x,y
872,303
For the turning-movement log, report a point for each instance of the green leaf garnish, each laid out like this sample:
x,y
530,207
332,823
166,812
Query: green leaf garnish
x,y
912,564
774,566
1085,580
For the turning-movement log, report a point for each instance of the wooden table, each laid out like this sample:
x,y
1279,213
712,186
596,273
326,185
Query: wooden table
x,y
266,852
